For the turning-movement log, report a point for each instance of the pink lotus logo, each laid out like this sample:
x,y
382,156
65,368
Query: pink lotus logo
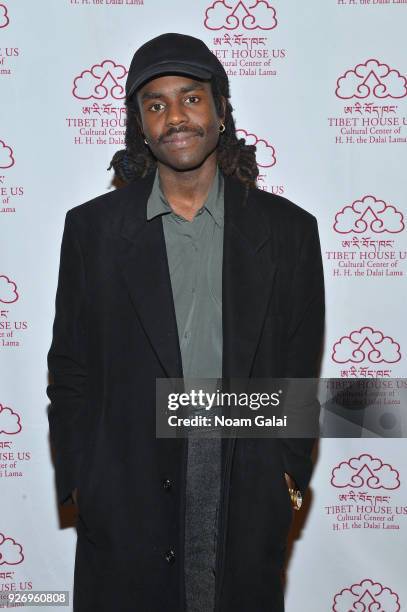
x,y
365,471
11,553
10,422
8,290
6,156
265,152
4,20
369,214
371,79
102,80
366,596
254,15
366,344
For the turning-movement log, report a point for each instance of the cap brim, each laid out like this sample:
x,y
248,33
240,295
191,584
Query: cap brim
x,y
168,67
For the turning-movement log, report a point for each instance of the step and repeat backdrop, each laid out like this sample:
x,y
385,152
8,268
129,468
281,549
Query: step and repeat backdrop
x,y
320,87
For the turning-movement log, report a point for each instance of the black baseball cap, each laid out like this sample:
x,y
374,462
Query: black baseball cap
x,y
173,54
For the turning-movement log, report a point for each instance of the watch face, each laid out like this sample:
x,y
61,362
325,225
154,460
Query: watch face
x,y
296,498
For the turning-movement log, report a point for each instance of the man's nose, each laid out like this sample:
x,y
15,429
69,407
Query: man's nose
x,y
176,114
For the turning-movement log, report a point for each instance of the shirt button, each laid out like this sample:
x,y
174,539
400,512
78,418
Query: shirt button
x,y
167,484
170,556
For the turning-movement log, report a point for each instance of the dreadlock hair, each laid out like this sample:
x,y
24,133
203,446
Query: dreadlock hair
x,y
234,156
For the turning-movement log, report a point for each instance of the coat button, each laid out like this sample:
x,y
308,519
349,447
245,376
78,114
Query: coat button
x,y
170,556
167,484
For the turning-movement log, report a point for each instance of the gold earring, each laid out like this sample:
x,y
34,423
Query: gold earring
x,y
146,141
222,128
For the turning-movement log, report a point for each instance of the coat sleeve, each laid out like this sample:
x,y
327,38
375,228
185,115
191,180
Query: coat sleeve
x,y
304,342
67,365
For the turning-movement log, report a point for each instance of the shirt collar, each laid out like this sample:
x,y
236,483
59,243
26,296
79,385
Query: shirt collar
x,y
158,204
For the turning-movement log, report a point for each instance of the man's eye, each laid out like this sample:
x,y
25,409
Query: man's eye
x,y
154,107
194,99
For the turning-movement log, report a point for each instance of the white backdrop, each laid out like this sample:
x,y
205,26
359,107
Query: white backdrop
x,y
321,87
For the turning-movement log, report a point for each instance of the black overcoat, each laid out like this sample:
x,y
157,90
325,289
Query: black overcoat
x,y
114,333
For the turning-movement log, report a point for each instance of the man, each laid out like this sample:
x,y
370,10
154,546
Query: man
x,y
187,270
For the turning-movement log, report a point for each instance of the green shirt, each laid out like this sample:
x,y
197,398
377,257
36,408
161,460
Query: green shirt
x,y
194,251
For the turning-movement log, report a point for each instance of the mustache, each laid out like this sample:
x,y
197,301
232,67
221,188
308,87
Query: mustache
x,y
197,131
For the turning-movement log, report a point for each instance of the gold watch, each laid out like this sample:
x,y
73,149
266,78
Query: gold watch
x,y
296,498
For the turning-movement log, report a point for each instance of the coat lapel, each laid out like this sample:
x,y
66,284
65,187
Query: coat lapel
x,y
248,273
142,260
